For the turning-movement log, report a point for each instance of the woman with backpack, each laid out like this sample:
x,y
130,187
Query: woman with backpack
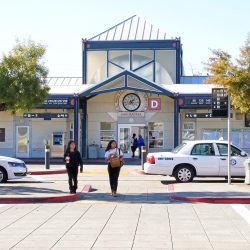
x,y
114,157
133,144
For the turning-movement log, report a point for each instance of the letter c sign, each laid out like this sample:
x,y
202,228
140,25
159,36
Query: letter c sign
x,y
154,103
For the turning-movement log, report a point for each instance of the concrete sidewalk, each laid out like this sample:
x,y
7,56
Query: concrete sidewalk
x,y
123,227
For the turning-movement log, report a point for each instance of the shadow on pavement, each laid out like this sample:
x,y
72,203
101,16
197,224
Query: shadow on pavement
x,y
154,198
167,182
20,190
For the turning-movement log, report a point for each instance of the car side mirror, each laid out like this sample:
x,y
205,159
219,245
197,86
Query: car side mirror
x,y
243,154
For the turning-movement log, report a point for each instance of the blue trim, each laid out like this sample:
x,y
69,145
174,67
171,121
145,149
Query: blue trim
x,y
154,65
84,128
135,44
84,62
130,59
176,122
126,73
107,61
116,64
146,64
76,120
178,62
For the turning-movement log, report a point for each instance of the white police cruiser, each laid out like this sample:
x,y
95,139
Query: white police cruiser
x,y
197,158
11,168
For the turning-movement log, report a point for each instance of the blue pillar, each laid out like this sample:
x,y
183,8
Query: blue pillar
x,y
76,119
176,122
84,128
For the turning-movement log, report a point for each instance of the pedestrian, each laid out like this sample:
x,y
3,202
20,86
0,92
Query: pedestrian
x,y
73,159
114,157
141,143
133,144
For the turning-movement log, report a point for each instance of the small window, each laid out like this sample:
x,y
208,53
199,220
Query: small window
x,y
223,150
2,134
203,149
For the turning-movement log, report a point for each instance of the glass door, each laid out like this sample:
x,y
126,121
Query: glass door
x,y
22,141
125,133
124,140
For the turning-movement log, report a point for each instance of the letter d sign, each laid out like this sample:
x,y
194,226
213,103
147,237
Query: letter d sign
x,y
154,103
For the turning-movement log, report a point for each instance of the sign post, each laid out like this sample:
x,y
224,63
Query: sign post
x,y
221,109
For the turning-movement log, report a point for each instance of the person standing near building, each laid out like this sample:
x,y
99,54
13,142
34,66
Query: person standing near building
x,y
73,159
113,152
133,144
141,143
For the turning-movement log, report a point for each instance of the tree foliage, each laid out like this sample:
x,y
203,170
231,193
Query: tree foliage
x,y
233,76
22,77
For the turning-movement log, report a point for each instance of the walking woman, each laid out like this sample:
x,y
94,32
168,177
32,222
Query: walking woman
x,y
114,157
73,159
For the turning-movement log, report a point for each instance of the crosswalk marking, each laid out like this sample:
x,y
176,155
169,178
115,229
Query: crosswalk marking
x,y
242,211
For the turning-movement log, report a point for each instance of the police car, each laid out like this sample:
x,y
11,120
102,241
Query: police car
x,y
11,168
197,158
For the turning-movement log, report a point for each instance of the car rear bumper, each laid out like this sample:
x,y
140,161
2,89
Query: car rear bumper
x,y
150,168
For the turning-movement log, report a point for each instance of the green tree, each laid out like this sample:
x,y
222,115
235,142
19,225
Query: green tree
x,y
235,77
22,77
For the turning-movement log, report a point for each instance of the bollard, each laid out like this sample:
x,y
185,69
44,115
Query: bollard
x,y
247,171
47,156
143,156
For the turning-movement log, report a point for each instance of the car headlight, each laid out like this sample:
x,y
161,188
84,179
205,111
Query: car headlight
x,y
16,165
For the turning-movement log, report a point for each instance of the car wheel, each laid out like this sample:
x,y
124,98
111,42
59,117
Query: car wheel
x,y
184,174
3,175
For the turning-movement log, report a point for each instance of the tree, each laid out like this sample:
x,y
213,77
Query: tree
x,y
233,76
22,77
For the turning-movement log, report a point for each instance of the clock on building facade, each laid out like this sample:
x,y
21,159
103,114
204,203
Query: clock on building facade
x,y
130,101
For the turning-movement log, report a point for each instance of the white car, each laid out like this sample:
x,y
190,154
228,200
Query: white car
x,y
11,168
197,158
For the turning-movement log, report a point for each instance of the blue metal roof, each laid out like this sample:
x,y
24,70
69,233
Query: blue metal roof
x,y
193,79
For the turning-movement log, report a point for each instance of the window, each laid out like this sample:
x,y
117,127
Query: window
x,y
2,134
203,149
107,133
223,150
96,66
155,134
188,132
239,137
178,148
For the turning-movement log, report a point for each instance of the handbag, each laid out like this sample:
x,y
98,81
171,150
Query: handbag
x,y
115,162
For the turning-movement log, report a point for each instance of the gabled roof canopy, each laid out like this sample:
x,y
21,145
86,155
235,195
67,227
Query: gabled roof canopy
x,y
126,80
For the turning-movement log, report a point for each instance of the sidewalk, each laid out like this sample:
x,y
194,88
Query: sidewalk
x,y
134,187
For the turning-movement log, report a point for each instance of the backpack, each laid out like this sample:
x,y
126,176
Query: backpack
x,y
135,143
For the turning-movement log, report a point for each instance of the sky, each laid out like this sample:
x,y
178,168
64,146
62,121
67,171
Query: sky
x,y
61,25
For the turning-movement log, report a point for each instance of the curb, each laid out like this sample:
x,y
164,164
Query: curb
x,y
209,199
46,199
45,172
217,200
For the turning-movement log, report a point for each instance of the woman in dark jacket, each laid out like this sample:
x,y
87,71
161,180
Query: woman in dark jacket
x,y
73,159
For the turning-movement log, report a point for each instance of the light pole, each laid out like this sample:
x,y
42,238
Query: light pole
x,y
229,142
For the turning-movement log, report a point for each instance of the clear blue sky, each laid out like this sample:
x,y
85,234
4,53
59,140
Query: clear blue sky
x,y
61,24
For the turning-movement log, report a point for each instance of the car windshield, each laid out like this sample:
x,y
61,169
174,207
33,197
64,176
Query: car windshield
x,y
178,148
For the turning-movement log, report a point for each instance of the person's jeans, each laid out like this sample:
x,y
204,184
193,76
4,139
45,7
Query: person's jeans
x,y
113,177
72,173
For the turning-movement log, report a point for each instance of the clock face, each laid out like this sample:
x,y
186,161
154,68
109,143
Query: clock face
x,y
131,102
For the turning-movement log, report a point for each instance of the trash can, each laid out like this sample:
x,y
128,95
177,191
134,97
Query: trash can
x,y
247,171
93,151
